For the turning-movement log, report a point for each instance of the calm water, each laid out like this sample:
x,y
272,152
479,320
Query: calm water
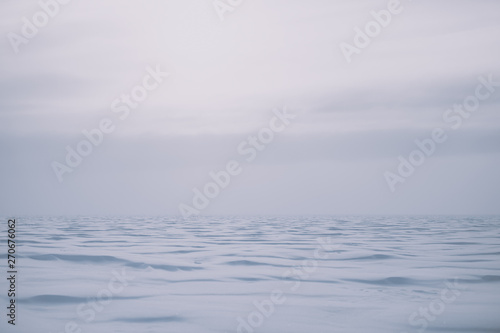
x,y
380,274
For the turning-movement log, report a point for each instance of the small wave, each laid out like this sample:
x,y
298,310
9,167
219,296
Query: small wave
x,y
52,299
77,258
372,257
251,263
165,319
169,268
490,278
390,281
62,299
111,260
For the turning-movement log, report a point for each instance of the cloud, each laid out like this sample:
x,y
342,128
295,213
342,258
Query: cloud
x,y
226,77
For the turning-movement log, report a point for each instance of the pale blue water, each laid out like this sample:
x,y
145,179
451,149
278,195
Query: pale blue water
x,y
373,274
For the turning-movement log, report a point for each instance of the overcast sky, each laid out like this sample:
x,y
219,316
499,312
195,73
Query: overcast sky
x,y
352,121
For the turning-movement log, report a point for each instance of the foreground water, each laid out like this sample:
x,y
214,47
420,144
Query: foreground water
x,y
314,274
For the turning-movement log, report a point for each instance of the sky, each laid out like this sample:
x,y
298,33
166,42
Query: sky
x,y
232,66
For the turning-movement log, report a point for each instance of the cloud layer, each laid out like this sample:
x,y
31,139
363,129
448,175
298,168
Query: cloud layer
x,y
353,120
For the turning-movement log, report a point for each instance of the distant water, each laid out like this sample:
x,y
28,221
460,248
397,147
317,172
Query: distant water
x,y
365,274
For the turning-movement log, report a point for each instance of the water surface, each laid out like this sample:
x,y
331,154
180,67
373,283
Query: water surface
x,y
259,274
